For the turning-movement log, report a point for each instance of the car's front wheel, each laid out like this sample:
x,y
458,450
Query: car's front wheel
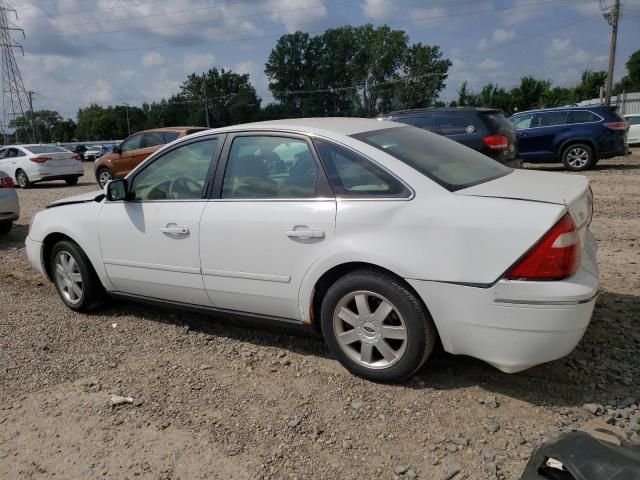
x,y
376,327
76,281
578,157
22,179
104,176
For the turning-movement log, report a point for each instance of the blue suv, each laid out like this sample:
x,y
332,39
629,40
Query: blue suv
x,y
576,136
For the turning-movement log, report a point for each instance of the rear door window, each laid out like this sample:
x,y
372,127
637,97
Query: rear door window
x,y
551,119
151,139
633,120
582,116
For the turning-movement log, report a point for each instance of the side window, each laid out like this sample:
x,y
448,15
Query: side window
x,y
14,152
455,124
270,167
151,139
168,137
425,122
132,143
179,174
551,119
352,175
522,121
581,116
3,153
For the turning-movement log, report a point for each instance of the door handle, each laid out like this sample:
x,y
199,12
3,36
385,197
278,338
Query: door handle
x,y
305,234
175,230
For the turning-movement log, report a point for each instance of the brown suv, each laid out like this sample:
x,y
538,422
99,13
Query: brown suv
x,y
137,147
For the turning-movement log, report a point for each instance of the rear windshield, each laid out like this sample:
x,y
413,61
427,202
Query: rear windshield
x,y
38,149
499,120
446,162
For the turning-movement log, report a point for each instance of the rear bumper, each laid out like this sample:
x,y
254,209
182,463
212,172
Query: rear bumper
x,y
46,173
514,325
9,205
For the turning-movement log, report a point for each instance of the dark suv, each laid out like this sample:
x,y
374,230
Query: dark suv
x,y
483,129
576,136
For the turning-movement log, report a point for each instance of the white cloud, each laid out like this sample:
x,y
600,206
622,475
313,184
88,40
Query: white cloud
x,y
562,49
587,7
198,62
502,35
379,9
427,14
296,14
152,59
490,64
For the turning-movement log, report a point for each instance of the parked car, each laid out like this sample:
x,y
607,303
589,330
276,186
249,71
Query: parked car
x,y
486,130
29,164
383,236
9,204
134,149
633,136
576,136
93,152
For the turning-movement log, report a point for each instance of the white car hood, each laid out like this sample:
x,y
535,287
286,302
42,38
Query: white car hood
x,y
83,197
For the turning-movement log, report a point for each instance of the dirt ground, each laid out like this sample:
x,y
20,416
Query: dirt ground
x,y
216,398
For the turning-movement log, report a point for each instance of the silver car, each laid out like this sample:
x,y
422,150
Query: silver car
x,y
9,205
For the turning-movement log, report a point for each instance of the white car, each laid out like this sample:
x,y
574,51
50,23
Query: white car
x,y
9,204
29,164
93,153
383,236
633,135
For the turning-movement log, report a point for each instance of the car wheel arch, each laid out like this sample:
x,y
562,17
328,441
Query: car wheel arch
x,y
573,141
47,247
329,277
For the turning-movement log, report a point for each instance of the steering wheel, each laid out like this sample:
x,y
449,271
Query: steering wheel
x,y
181,185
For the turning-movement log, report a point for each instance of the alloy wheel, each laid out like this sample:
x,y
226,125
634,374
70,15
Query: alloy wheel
x,y
21,177
68,277
577,157
104,177
370,329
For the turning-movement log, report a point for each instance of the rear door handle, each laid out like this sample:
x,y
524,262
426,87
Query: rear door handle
x,y
305,234
174,230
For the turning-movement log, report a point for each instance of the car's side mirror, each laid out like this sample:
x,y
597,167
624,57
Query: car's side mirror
x,y
116,190
117,149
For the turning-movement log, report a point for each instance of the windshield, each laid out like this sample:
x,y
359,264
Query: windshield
x,y
446,162
38,149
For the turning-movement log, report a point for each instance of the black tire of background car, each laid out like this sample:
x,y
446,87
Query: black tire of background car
x,y
100,172
421,332
71,181
22,179
5,227
590,162
93,293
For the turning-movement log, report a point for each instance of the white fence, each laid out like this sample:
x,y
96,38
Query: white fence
x,y
627,102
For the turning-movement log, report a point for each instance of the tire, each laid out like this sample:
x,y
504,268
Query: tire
x,y
71,181
65,273
22,179
406,345
5,227
103,176
578,157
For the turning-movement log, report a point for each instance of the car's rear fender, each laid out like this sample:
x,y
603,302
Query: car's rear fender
x,y
564,143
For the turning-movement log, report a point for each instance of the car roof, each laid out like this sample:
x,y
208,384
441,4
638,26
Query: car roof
x,y
418,111
337,125
170,129
560,109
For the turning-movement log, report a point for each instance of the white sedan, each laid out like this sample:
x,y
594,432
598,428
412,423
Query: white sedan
x,y
633,135
385,237
29,164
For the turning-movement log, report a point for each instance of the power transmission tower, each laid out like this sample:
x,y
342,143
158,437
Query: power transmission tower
x,y
14,95
612,17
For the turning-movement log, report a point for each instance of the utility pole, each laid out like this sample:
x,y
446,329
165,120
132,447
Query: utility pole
x,y
612,17
126,109
204,96
33,128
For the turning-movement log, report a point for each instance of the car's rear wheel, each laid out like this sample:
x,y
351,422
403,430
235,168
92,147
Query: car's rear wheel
x,y
22,179
104,176
76,281
578,157
376,327
5,227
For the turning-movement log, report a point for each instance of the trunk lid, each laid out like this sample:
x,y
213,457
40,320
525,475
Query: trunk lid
x,y
60,159
562,189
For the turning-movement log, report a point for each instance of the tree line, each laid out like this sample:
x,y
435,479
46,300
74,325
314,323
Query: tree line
x,y
345,71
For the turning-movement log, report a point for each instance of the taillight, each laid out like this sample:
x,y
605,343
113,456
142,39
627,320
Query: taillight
x,y
40,159
76,157
554,257
6,182
616,125
496,142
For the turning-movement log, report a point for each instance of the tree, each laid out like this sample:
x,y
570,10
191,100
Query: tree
x,y
353,71
589,86
631,81
530,93
466,97
49,126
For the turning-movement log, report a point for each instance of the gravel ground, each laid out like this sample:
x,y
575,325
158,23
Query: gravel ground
x,y
226,399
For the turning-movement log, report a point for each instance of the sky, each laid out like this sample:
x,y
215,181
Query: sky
x,y
109,52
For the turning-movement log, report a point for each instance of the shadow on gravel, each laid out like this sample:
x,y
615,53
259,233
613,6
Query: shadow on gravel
x,y
605,364
15,238
83,182
599,167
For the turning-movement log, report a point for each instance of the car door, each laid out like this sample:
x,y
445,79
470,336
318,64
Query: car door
x,y
150,242
271,216
537,139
